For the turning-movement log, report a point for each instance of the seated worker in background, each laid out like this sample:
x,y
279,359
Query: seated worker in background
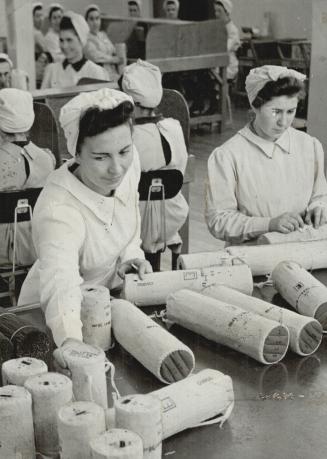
x,y
39,39
86,222
269,176
73,37
160,144
99,48
10,77
171,9
134,8
42,60
22,165
223,9
51,38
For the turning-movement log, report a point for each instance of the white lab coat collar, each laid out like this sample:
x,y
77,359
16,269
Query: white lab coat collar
x,y
101,206
266,146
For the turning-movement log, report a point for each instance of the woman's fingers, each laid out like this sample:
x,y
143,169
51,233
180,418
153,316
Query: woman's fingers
x,y
136,264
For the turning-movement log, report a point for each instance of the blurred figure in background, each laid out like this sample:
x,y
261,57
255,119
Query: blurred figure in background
x,y
38,15
74,33
99,48
171,8
223,9
52,43
10,77
134,8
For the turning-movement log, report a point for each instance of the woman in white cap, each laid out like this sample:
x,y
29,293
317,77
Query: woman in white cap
x,y
223,10
39,40
171,8
10,77
160,144
99,48
22,165
74,32
86,223
51,38
269,176
134,8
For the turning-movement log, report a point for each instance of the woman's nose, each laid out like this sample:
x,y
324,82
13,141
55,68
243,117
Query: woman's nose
x,y
282,119
115,167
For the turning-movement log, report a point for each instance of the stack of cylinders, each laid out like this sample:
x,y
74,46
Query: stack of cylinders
x,y
16,413
16,371
96,317
260,338
155,287
307,233
87,365
78,424
301,290
117,444
153,346
142,414
190,402
204,259
305,333
262,259
50,391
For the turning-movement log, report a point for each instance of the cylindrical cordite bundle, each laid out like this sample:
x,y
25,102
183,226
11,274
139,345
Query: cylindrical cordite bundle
x,y
188,403
155,287
16,371
87,365
96,317
260,338
308,233
262,259
305,332
117,444
301,290
28,340
78,424
16,423
149,343
142,414
204,259
50,391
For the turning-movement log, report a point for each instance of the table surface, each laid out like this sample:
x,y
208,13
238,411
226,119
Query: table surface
x,y
280,410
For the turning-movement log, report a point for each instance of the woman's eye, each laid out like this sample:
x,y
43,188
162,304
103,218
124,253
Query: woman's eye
x,y
99,158
123,152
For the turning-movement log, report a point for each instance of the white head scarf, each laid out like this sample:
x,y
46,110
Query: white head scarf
x,y
142,81
71,113
227,4
138,2
259,76
55,6
92,7
16,110
80,25
37,4
165,4
6,58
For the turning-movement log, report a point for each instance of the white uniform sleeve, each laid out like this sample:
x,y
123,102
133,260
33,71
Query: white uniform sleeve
x,y
94,54
47,78
133,249
58,235
53,48
223,217
319,192
233,39
98,72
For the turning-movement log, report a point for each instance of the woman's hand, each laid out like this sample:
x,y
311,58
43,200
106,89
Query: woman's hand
x,y
141,266
316,216
286,223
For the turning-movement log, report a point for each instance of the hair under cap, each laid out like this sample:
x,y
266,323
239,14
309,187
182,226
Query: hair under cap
x,y
165,3
80,25
142,81
227,4
16,110
6,58
138,2
259,76
92,7
71,113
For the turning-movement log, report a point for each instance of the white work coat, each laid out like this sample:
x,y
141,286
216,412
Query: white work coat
x,y
251,180
58,76
148,143
13,177
99,48
80,237
52,45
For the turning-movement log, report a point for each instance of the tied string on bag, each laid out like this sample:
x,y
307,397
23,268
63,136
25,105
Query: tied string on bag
x,y
220,419
111,367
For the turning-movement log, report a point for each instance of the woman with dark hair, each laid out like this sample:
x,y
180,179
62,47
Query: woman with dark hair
x,y
269,176
73,37
86,223
39,41
51,38
99,48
